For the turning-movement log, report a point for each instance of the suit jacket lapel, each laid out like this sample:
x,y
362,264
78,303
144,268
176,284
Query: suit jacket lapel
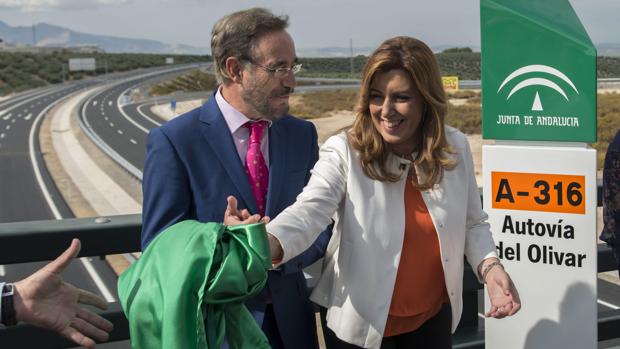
x,y
277,165
216,133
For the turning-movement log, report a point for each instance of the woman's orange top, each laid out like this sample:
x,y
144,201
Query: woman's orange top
x,y
420,289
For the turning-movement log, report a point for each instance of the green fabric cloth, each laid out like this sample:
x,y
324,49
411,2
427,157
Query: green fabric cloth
x,y
188,287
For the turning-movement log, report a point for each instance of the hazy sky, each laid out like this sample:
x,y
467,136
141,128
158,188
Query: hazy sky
x,y
314,23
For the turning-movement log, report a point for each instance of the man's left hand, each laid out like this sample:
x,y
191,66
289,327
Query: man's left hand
x,y
233,216
45,300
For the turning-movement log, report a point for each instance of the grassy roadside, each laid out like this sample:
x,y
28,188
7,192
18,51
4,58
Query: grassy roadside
x,y
464,113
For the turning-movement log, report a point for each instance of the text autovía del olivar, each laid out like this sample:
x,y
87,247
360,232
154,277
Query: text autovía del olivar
x,y
539,253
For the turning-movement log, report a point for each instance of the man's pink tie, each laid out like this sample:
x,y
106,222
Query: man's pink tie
x,y
255,166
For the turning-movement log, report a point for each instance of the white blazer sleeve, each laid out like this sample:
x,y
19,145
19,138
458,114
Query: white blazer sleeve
x,y
479,243
298,226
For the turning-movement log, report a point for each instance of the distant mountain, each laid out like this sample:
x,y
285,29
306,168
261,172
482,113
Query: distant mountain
x,y
608,49
54,36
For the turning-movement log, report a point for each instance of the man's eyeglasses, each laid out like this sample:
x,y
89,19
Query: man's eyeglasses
x,y
279,72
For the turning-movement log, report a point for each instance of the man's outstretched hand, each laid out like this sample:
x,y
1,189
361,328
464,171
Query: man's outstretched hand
x,y
233,216
45,300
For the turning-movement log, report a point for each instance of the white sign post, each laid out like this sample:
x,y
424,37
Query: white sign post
x,y
541,201
539,85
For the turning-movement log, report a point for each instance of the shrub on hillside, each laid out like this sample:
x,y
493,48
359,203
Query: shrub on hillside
x,y
193,81
320,103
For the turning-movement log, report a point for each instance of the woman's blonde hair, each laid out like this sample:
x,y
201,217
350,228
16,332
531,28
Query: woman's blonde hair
x,y
414,57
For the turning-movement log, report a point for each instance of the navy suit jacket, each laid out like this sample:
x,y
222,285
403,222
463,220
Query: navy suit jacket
x,y
191,167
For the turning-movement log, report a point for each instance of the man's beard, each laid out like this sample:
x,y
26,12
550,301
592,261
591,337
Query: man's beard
x,y
259,100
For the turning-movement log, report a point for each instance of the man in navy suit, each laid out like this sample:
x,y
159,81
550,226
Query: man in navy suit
x,y
197,160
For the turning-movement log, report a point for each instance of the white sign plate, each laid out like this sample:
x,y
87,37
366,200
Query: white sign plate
x,y
541,202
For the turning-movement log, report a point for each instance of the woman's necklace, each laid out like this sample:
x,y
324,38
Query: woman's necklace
x,y
412,174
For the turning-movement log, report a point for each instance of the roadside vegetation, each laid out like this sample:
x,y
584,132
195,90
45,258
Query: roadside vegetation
x,y
461,62
608,122
312,105
21,71
193,81
464,111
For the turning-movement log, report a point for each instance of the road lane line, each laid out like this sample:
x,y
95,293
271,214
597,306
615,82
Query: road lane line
x,y
105,291
119,131
7,116
133,141
139,109
606,304
35,164
120,108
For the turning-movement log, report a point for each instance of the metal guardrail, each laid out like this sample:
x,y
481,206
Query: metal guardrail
x,y
44,240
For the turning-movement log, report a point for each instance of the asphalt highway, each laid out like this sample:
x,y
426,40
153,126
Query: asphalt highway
x,y
28,193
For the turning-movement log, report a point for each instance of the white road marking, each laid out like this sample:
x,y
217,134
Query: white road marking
x,y
146,116
1,135
7,116
110,103
120,132
609,305
94,103
12,121
133,141
27,117
105,292
120,108
8,127
35,165
2,271
111,124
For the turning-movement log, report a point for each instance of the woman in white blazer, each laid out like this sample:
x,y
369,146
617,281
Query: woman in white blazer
x,y
401,190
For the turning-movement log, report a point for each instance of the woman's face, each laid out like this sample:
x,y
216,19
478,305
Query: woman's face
x,y
396,110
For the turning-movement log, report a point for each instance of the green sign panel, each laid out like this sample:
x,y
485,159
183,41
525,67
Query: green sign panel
x,y
538,72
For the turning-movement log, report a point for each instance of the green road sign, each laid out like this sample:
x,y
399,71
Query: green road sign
x,y
538,72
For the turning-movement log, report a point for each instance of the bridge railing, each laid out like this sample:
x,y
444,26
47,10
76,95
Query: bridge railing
x,y
44,240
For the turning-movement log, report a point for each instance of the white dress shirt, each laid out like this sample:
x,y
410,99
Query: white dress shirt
x,y
241,135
